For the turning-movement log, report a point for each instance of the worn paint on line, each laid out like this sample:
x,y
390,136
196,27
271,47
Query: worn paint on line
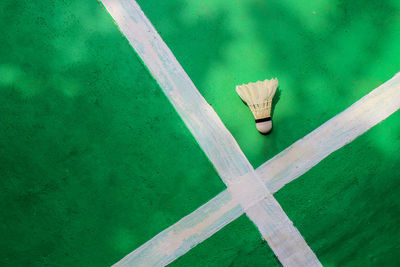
x,y
218,212
207,128
274,228
186,233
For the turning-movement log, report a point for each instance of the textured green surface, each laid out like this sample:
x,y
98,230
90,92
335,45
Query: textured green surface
x,y
86,141
94,160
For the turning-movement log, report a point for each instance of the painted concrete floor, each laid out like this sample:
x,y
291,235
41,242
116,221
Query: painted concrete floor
x,y
94,161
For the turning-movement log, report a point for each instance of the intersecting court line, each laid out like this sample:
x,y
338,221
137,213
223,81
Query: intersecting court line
x,y
194,228
221,148
216,141
202,223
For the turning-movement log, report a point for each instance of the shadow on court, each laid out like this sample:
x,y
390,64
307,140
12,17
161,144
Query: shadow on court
x,y
86,135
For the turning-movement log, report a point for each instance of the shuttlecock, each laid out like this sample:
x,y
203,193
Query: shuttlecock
x,y
258,97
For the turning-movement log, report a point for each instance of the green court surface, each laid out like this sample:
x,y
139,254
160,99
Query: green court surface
x,y
94,160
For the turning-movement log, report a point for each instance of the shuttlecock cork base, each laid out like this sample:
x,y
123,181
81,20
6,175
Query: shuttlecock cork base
x,y
258,97
264,126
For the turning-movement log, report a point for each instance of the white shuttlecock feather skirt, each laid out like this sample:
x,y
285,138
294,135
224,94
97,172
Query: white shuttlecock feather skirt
x,y
258,97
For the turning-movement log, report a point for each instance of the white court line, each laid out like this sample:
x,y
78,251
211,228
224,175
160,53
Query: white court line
x,y
219,211
191,230
216,141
